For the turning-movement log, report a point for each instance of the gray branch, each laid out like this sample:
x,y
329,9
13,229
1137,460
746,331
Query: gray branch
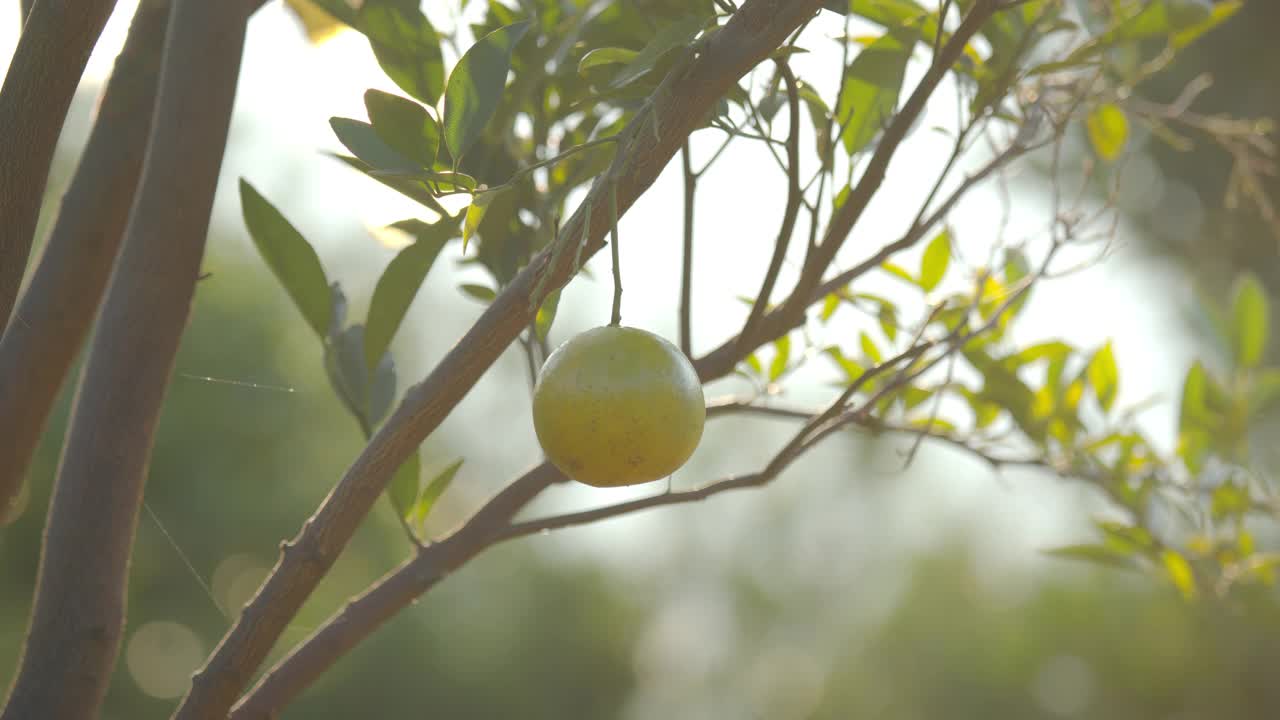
x,y
78,615
55,311
54,46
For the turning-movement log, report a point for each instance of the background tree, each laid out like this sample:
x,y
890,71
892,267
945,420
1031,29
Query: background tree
x,y
558,110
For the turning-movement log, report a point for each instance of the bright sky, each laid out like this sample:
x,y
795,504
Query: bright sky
x,y
289,90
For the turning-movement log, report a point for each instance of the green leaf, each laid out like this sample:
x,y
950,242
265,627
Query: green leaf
x,y
1194,410
676,34
368,393
1193,417
872,82
1221,11
404,125
344,362
382,389
365,143
1264,391
1003,387
889,13
1103,376
829,305
781,355
985,412
290,257
1250,321
476,85
912,398
1180,573
444,229
405,484
819,114
483,293
405,45
1108,129
395,292
1230,500
1053,350
320,25
339,9
869,349
851,369
337,313
605,56
899,272
894,13
1128,538
888,318
769,106
475,214
449,181
838,202
411,187
426,500
546,315
933,266
1016,269
1098,554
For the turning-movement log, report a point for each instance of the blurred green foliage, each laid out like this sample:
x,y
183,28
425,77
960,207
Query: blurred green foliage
x,y
1233,233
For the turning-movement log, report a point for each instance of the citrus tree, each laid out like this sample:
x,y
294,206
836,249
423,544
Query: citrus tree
x,y
526,130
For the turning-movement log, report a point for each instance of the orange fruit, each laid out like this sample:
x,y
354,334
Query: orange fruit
x,y
618,406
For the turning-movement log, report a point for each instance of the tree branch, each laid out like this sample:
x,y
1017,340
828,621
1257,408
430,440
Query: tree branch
x,y
917,231
792,210
791,313
872,177
676,108
686,267
56,309
53,48
365,614
721,361
78,612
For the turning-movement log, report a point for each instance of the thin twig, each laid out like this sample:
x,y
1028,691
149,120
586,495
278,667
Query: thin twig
x,y
723,359
790,213
686,265
615,319
859,198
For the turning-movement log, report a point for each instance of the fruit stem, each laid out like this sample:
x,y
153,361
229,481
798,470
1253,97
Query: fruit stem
x,y
616,318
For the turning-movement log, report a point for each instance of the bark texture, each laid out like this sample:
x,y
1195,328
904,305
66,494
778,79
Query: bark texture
x,y
54,46
54,313
79,610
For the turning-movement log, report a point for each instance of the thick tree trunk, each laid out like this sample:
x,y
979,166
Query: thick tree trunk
x,y
58,306
78,617
53,48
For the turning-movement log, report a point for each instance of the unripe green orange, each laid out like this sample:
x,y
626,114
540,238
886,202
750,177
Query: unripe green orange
x,y
618,406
